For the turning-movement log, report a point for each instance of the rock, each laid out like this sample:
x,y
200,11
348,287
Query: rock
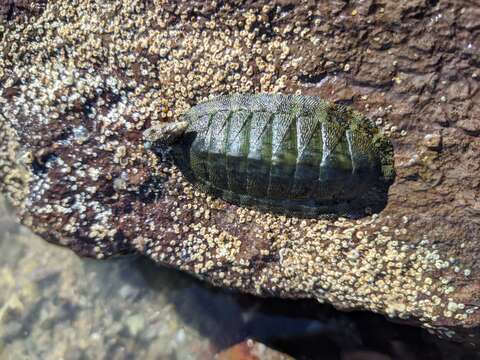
x,y
251,350
135,323
433,141
364,355
471,126
11,310
11,330
10,9
128,292
73,161
80,313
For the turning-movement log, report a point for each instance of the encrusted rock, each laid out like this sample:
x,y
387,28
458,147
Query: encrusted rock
x,y
80,83
433,141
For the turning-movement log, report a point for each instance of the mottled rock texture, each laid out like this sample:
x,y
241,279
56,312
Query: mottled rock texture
x,y
81,81
10,9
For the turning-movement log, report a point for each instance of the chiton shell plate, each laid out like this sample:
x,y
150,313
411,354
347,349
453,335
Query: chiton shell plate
x,y
292,154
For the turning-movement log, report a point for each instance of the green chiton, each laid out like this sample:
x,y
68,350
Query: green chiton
x,y
291,154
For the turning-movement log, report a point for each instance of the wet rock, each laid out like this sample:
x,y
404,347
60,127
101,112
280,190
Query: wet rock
x,y
80,314
135,323
128,292
471,126
11,310
433,141
364,355
73,160
251,350
10,9
183,317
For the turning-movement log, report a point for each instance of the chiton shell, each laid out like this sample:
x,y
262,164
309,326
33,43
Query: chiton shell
x,y
292,154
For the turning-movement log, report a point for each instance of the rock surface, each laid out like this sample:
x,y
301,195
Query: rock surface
x,y
57,306
54,305
81,81
251,350
10,9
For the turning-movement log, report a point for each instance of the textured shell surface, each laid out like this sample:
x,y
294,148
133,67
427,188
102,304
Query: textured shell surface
x,y
292,154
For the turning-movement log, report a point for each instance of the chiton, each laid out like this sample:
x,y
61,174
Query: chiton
x,y
291,154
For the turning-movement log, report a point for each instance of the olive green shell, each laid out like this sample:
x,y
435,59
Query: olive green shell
x,y
286,153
